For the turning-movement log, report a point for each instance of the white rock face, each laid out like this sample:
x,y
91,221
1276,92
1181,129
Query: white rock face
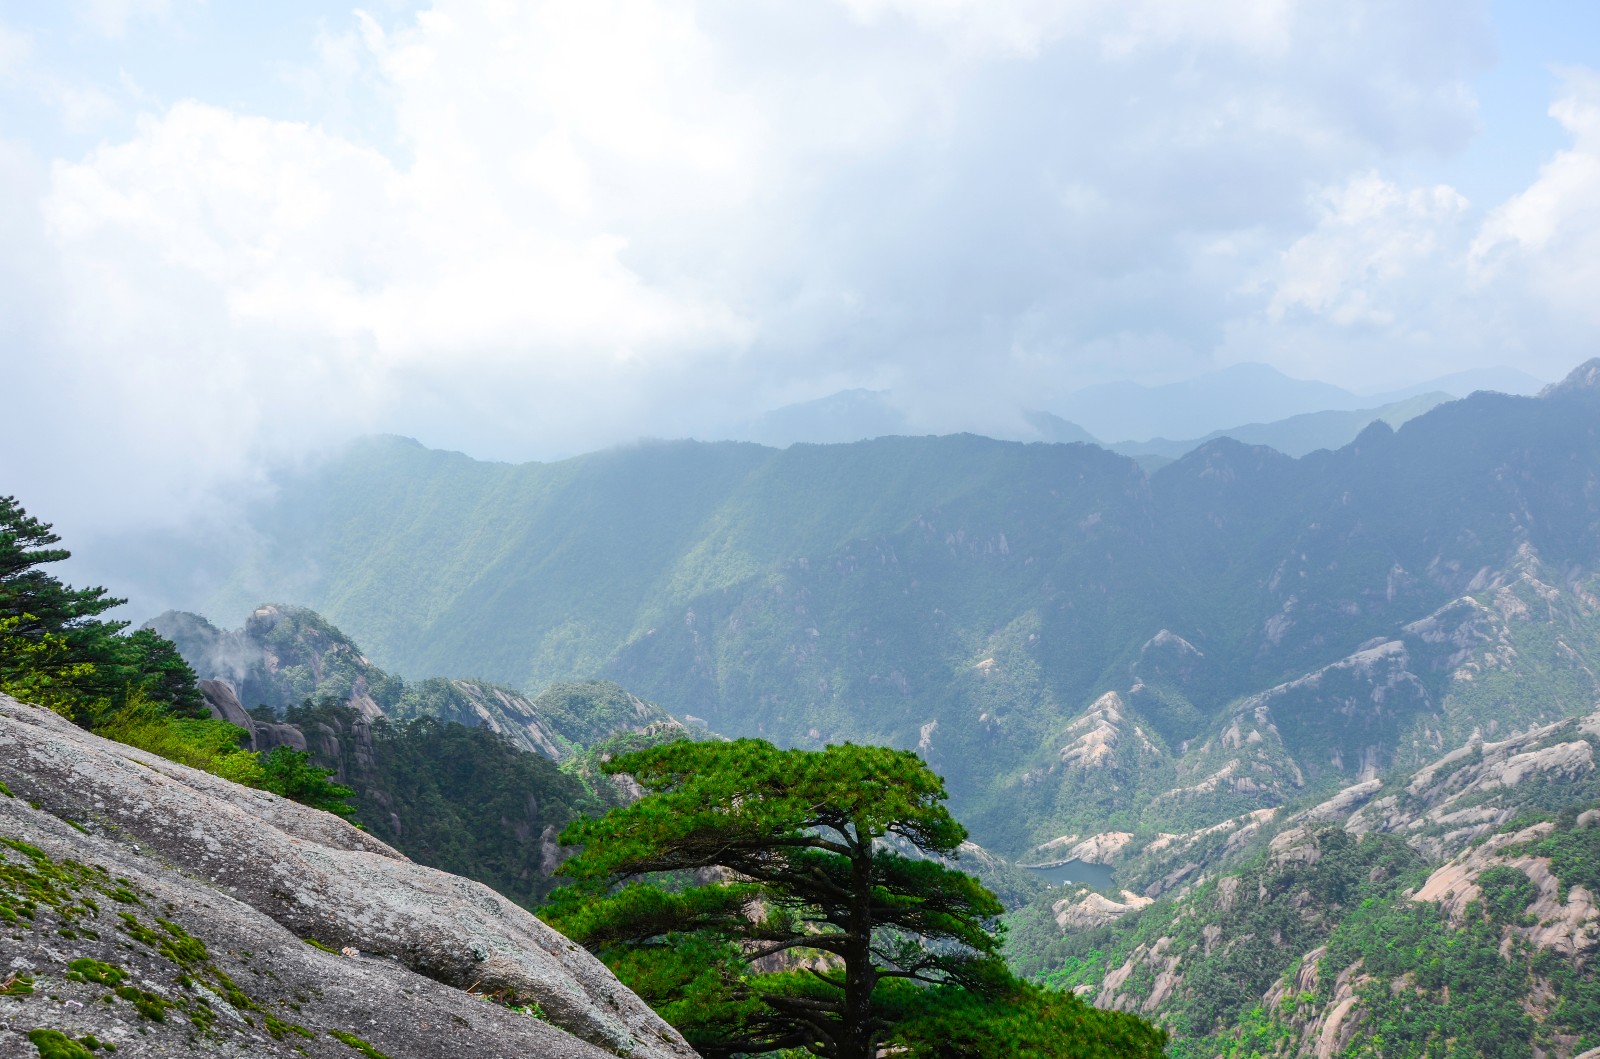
x,y
1341,805
1096,849
1094,736
321,878
1100,849
1093,910
1570,927
1473,775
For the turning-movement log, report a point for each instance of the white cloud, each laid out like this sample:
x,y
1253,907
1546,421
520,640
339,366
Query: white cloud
x,y
534,228
1371,237
16,48
111,18
1398,283
1546,240
1121,27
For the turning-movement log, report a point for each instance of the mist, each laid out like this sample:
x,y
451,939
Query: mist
x,y
530,231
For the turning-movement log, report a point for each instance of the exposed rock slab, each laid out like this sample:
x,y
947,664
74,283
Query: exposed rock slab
x,y
288,998
319,877
1094,910
1569,927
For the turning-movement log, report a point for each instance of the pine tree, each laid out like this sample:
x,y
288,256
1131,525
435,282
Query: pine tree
x,y
57,651
765,899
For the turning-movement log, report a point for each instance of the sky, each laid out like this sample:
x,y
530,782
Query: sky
x,y
232,235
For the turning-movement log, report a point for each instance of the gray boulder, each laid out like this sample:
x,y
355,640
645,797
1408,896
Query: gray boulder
x,y
250,875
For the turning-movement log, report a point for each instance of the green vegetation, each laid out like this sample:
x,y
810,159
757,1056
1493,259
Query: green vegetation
x,y
39,892
53,1044
1021,1022
57,652
823,593
86,970
135,689
588,712
763,900
464,800
1573,851
972,598
210,745
289,772
357,1043
1337,911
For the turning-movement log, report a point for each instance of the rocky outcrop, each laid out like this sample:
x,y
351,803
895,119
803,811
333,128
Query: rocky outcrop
x,y
1100,849
125,951
1341,805
247,864
1584,380
1472,791
1093,738
1093,910
509,713
1096,849
223,702
1568,925
1157,960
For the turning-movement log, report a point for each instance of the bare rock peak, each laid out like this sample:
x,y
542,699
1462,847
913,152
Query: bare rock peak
x,y
1584,379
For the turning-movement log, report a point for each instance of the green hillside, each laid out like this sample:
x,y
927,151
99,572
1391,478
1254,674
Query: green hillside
x,y
974,598
1442,911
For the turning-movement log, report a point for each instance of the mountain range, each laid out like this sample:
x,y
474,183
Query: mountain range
x,y
979,599
1254,403
1296,708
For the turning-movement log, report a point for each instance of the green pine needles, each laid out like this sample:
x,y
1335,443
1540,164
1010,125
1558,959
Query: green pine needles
x,y
765,899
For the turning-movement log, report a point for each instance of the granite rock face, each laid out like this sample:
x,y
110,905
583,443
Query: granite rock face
x,y
248,872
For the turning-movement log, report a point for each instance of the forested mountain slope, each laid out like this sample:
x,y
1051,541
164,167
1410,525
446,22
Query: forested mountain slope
x,y
1078,646
1449,910
461,775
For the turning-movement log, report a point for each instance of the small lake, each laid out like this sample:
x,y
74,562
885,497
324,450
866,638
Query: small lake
x,y
1076,871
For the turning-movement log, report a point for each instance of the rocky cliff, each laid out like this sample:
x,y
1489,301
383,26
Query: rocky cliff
x,y
1450,909
166,911
283,657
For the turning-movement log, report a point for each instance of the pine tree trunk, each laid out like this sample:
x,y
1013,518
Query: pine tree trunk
x,y
861,977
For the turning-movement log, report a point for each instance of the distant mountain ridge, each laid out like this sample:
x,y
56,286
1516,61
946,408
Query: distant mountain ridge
x,y
1329,722
1253,403
1240,393
976,598
462,775
1296,435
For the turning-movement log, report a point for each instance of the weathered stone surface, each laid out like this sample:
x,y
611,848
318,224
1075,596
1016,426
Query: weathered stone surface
x,y
1569,927
1094,737
313,875
1341,805
1094,910
1163,965
224,704
291,998
1471,792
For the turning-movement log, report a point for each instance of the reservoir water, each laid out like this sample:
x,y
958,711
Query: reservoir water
x,y
1076,871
